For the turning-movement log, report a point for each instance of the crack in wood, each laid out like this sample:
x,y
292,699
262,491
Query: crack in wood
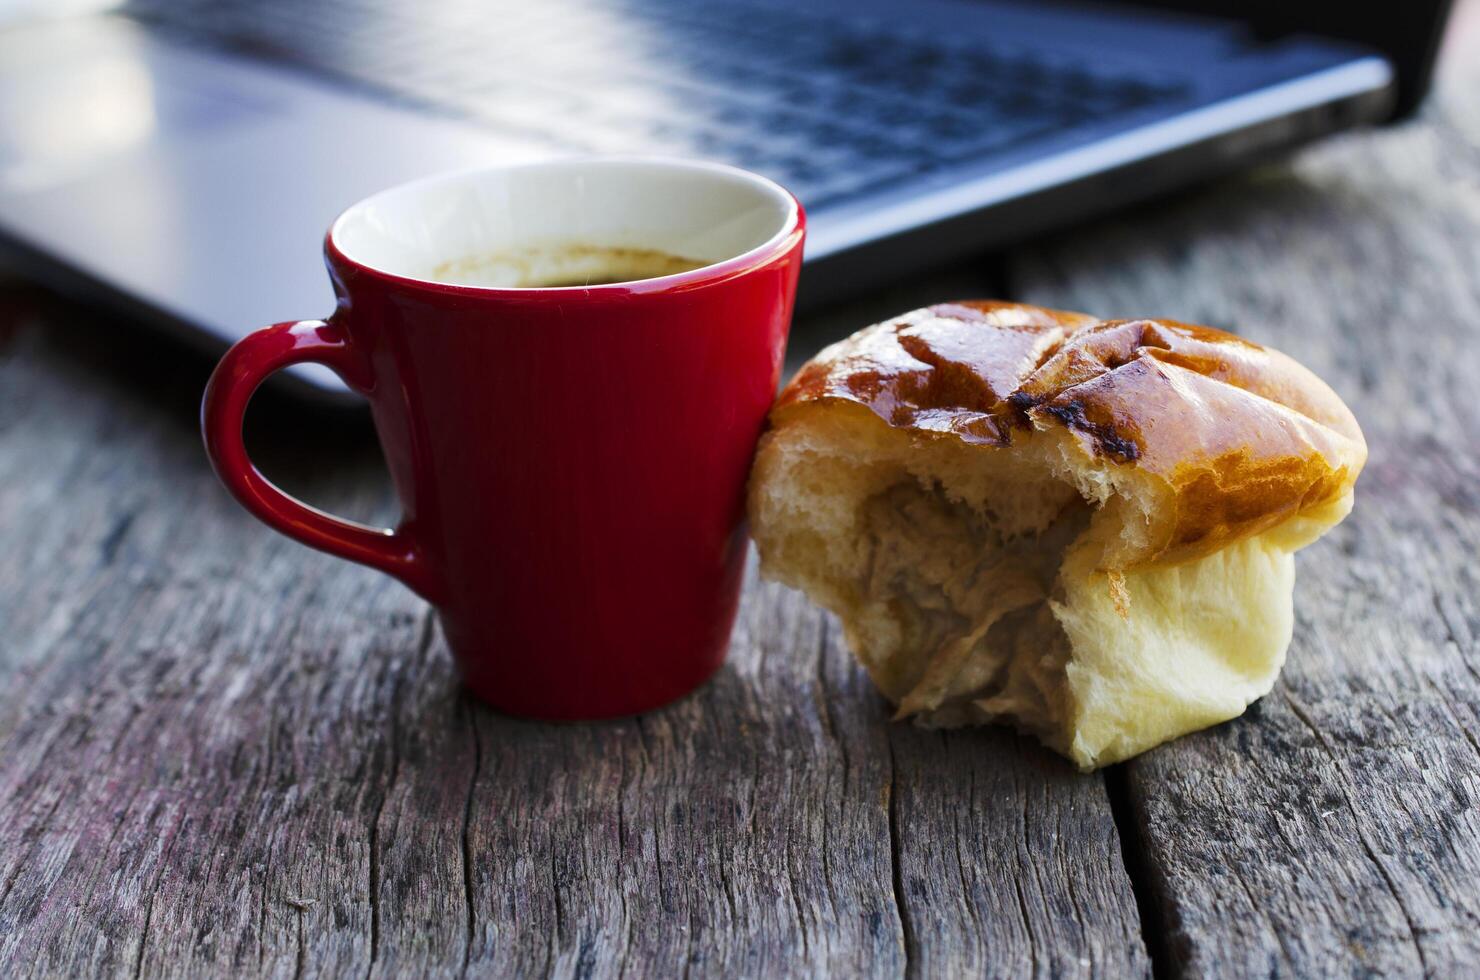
x,y
796,905
467,848
144,936
822,699
967,892
394,749
558,932
724,879
642,741
1150,911
1022,901
154,888
627,919
149,903
1291,960
301,955
1034,941
266,866
901,906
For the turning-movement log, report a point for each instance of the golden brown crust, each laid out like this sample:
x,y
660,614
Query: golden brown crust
x,y
1241,437
948,368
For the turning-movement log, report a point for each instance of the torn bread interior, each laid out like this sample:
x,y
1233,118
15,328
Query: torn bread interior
x,y
1082,528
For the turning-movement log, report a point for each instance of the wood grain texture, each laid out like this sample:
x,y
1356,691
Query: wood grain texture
x,y
1336,829
223,754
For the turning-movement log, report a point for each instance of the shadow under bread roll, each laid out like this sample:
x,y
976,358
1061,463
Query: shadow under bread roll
x,y
1082,528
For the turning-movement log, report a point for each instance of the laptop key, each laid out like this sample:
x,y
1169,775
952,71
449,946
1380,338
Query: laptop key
x,y
834,107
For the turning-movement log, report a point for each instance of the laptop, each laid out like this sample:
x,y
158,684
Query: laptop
x,y
182,158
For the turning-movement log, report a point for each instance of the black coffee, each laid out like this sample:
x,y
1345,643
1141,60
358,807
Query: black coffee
x,y
548,267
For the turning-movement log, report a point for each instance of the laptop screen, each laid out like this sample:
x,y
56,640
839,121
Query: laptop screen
x,y
1408,33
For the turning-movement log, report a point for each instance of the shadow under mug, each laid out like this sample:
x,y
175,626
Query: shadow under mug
x,y
571,461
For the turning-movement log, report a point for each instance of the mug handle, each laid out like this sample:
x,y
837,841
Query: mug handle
x,y
249,362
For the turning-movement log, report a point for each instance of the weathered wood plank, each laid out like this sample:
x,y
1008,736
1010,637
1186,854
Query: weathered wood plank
x,y
1336,828
715,835
184,802
1018,871
221,753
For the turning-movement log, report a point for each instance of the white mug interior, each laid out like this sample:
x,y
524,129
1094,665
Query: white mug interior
x,y
531,224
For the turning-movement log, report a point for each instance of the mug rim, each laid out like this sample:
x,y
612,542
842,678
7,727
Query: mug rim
x,y
779,244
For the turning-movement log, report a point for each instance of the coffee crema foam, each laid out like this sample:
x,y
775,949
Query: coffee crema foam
x,y
562,265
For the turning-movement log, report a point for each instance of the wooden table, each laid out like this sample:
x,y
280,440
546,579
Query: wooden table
x,y
222,753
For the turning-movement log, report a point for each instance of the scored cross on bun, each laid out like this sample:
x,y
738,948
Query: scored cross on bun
x,y
1083,528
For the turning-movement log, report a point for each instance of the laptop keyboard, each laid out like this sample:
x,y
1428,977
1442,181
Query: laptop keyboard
x,y
829,108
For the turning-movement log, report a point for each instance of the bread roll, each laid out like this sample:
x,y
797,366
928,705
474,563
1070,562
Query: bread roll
x,y
1082,528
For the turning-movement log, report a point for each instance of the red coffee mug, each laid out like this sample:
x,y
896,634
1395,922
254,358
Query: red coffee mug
x,y
571,461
